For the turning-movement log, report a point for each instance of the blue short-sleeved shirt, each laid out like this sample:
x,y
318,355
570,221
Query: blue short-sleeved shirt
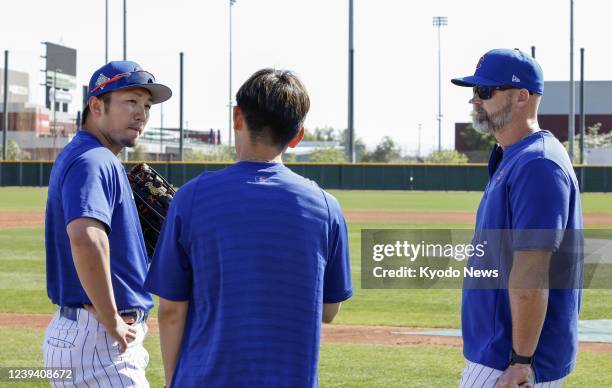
x,y
87,180
255,249
532,186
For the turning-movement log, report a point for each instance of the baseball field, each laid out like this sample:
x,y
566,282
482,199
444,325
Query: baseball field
x,y
367,345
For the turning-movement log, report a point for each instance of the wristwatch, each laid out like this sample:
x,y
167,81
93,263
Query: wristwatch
x,y
518,359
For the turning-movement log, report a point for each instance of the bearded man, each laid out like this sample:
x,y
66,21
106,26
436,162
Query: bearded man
x,y
523,331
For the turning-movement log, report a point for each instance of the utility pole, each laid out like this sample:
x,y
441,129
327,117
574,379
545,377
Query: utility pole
x,y
419,149
351,123
572,114
582,117
161,130
5,106
124,30
181,108
125,149
440,21
230,97
106,31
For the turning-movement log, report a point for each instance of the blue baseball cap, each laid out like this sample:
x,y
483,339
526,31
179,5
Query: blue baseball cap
x,y
117,75
506,67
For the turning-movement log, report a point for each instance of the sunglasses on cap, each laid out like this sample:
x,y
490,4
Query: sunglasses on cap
x,y
138,77
486,92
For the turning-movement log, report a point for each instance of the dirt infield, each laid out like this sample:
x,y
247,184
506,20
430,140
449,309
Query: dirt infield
x,y
590,219
13,219
17,219
354,334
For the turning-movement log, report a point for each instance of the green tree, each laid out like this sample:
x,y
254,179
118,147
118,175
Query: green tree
x,y
289,158
359,145
447,156
326,155
14,152
386,151
592,139
477,141
360,150
220,153
309,135
138,153
323,134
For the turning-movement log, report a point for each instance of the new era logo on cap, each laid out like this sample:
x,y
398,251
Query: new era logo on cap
x,y
515,78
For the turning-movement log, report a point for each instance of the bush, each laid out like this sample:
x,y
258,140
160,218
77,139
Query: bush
x,y
220,153
326,155
447,156
14,152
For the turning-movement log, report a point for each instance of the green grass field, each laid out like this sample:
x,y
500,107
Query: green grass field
x,y
22,289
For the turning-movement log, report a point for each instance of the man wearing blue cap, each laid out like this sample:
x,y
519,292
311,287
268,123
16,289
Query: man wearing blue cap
x,y
524,333
96,256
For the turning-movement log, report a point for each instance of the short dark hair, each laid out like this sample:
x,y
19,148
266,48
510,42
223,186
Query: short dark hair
x,y
274,104
106,98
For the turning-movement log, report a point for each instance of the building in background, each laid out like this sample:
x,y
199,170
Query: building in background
x,y
18,87
553,116
163,143
41,127
553,113
28,123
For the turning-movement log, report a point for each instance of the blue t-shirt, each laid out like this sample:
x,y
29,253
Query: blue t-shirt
x,y
256,250
532,191
87,180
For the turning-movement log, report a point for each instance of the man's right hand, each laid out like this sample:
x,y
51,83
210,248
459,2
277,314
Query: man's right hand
x,y
116,327
516,376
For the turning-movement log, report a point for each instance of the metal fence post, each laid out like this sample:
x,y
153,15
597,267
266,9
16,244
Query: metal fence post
x,y
40,174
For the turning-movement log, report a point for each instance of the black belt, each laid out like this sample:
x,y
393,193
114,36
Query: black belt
x,y
131,315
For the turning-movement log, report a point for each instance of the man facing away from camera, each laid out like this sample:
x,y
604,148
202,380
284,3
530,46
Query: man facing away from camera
x,y
252,258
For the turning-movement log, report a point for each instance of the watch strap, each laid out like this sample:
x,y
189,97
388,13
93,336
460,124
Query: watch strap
x,y
518,359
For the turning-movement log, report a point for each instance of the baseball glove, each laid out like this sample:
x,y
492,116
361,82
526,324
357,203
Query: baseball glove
x,y
152,194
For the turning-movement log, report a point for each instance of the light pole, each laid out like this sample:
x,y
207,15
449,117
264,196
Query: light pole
x,y
229,104
572,107
55,134
181,55
161,130
106,31
55,100
351,123
124,30
5,106
125,149
439,21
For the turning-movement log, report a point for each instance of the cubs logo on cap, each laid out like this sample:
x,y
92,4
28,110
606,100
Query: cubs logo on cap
x,y
480,62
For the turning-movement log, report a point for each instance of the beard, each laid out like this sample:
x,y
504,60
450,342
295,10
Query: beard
x,y
129,143
126,140
490,123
